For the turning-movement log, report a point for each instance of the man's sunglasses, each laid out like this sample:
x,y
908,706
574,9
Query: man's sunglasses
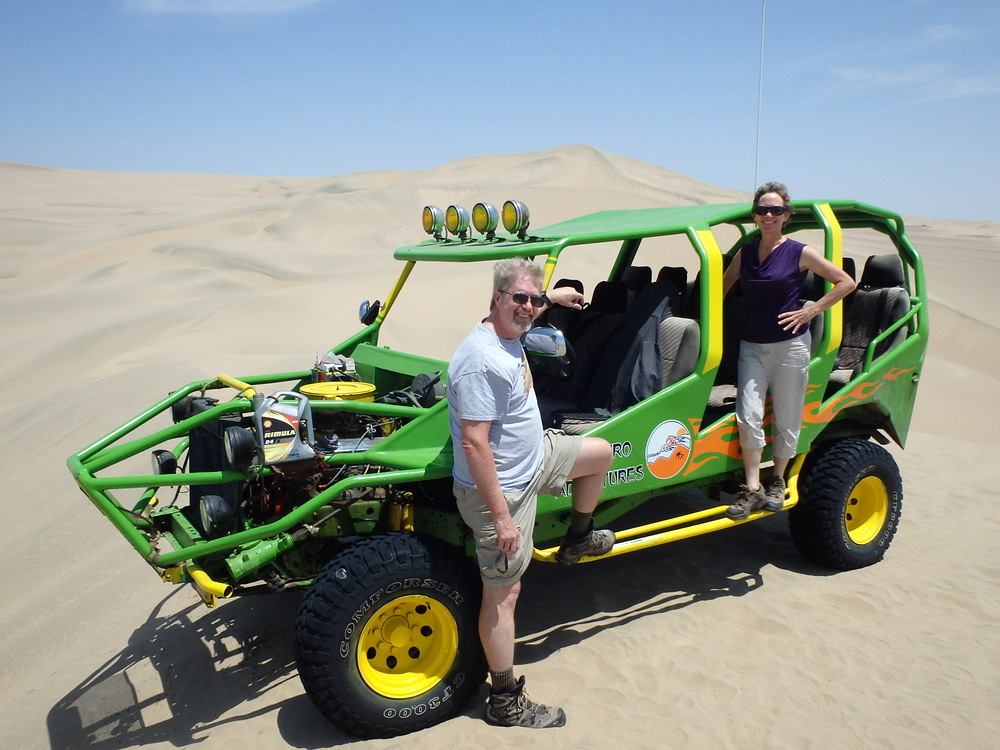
x,y
765,210
520,298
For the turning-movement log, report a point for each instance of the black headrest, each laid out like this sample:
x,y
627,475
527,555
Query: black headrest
x,y
637,278
575,283
610,296
814,287
882,271
850,267
677,275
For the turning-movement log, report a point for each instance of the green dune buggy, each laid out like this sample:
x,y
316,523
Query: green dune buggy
x,y
336,479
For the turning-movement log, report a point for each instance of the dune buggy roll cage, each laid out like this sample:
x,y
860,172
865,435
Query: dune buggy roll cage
x,y
880,397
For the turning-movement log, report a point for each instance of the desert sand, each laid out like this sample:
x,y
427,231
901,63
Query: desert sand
x,y
116,288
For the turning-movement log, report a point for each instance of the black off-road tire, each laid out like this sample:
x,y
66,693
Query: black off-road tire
x,y
850,503
387,636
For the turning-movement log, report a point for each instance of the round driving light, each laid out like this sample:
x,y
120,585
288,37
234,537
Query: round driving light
x,y
241,447
485,218
217,516
515,217
456,219
433,220
164,462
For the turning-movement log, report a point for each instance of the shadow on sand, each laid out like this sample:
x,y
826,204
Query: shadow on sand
x,y
186,671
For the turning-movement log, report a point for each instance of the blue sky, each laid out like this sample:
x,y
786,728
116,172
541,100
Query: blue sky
x,y
893,102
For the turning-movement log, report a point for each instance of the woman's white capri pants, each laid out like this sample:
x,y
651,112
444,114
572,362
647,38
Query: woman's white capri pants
x,y
783,368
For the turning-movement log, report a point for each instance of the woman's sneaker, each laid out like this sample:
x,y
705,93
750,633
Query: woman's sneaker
x,y
515,709
774,494
593,543
745,502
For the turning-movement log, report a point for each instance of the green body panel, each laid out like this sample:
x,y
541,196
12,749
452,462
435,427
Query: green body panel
x,y
669,442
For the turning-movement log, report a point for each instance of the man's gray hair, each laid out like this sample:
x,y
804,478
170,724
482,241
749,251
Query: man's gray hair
x,y
506,271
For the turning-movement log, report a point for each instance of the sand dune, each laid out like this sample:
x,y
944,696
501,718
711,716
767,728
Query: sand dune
x,y
115,288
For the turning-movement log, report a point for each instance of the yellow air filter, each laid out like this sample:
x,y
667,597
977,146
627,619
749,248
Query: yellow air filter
x,y
340,390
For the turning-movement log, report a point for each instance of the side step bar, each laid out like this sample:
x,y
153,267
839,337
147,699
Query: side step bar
x,y
683,527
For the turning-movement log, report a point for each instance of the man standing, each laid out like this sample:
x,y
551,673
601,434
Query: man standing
x,y
503,461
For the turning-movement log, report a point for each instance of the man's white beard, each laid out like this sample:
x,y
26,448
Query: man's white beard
x,y
522,327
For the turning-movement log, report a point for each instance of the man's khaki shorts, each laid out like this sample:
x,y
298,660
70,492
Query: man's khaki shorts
x,y
497,568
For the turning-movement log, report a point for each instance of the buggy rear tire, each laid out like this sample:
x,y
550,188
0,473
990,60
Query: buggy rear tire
x,y
850,502
387,636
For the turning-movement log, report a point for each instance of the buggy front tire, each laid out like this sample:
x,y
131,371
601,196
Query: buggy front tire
x,y
850,503
387,637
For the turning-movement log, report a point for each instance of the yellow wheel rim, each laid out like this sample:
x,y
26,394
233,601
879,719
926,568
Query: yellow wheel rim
x,y
867,510
407,647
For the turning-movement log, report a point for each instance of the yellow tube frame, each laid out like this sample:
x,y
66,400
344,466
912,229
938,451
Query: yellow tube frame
x,y
208,588
692,524
243,388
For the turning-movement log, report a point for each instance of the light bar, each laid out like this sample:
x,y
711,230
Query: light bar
x,y
485,218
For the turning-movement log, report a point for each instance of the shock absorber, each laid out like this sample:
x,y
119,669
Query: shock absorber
x,y
401,512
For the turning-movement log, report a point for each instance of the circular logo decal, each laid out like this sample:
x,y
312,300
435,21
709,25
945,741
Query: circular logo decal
x,y
668,449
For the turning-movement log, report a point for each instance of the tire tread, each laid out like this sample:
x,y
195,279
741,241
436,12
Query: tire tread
x,y
332,597
830,473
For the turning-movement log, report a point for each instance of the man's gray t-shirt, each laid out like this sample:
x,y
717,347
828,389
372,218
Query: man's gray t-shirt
x,y
489,381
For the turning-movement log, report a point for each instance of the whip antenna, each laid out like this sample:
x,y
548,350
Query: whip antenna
x,y
760,88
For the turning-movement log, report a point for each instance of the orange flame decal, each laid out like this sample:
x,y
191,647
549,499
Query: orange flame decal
x,y
721,440
816,412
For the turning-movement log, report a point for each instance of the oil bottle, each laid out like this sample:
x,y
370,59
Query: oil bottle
x,y
284,426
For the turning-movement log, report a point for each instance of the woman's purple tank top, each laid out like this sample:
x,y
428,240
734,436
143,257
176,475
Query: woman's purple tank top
x,y
770,288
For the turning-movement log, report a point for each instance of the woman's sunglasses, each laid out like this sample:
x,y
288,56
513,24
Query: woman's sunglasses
x,y
520,298
765,210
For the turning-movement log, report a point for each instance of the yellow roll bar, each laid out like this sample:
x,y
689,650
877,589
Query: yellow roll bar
x,y
243,388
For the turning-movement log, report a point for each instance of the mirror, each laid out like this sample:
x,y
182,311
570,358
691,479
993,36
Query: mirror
x,y
369,311
544,341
